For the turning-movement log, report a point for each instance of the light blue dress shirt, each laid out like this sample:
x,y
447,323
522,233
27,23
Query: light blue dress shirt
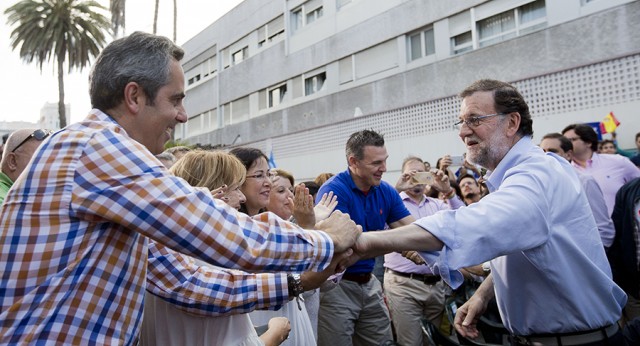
x,y
549,267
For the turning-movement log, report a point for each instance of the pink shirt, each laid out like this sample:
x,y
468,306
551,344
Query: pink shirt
x,y
428,206
610,171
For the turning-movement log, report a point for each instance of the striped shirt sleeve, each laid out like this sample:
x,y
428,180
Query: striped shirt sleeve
x,y
118,184
205,290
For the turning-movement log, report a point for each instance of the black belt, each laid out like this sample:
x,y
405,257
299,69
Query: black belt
x,y
578,338
425,278
361,278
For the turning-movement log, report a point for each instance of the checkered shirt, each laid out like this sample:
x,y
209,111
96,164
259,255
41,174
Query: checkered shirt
x,y
74,228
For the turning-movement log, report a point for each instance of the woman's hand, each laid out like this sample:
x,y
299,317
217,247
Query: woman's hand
x,y
325,207
279,329
303,210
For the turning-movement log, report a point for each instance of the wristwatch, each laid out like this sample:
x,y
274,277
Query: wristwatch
x,y
486,268
294,283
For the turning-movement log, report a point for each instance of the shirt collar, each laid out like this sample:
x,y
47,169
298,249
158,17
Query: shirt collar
x,y
513,157
96,115
405,197
5,179
352,184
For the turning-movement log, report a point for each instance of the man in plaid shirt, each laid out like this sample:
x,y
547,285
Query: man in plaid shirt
x,y
74,225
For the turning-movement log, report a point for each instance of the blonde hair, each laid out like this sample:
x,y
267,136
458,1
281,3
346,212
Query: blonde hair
x,y
210,169
322,177
282,173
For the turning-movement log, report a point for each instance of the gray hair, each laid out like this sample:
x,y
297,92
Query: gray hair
x,y
140,57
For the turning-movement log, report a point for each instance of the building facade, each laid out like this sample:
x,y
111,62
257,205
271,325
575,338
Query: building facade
x,y
49,116
296,77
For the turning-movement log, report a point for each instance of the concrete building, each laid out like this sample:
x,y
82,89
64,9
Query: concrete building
x,y
300,76
49,117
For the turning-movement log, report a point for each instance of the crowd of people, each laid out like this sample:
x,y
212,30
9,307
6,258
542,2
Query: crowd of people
x,y
108,238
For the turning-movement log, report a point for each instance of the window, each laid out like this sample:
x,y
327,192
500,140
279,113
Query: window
x,y
533,16
276,95
297,21
210,66
239,55
421,44
194,79
461,43
497,28
313,15
306,14
512,23
271,32
314,84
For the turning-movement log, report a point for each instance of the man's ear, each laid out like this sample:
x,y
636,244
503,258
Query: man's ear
x,y
352,161
514,119
12,163
134,97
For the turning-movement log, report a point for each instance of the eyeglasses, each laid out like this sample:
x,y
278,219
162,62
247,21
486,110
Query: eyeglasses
x,y
475,121
262,176
468,183
38,134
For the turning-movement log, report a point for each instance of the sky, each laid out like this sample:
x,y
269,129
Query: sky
x,y
24,89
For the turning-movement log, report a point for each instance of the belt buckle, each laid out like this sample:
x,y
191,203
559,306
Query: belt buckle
x,y
521,340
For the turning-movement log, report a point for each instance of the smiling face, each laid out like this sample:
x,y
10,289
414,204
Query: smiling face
x,y
488,142
257,186
156,120
368,171
280,198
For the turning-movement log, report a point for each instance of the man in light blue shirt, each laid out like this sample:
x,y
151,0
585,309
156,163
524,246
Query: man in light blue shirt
x,y
549,272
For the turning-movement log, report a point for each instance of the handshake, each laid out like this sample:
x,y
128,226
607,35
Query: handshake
x,y
348,243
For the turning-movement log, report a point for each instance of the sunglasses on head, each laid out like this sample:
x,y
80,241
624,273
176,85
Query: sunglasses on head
x,y
38,134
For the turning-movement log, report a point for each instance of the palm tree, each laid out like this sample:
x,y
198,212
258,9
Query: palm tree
x,y
175,20
65,31
155,18
117,8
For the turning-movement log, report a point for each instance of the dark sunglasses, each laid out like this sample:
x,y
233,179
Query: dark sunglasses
x,y
38,134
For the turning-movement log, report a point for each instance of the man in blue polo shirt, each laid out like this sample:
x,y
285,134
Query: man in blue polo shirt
x,y
354,313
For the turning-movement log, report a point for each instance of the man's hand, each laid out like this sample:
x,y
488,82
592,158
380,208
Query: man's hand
x,y
445,162
312,280
469,313
303,210
342,230
325,207
404,182
441,182
414,257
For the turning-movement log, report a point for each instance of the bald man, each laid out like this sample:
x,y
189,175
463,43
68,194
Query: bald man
x,y
18,150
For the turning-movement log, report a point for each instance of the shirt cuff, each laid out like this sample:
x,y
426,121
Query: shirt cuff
x,y
322,251
272,291
441,226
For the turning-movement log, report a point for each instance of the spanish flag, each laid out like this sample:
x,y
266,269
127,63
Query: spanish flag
x,y
609,123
